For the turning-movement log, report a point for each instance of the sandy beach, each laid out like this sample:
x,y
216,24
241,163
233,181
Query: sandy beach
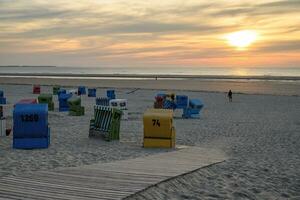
x,y
259,131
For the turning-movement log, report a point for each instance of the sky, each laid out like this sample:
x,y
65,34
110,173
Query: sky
x,y
156,33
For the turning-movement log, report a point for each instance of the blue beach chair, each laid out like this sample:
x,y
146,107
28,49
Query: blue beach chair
x,y
81,90
63,102
193,111
2,98
110,94
92,92
30,129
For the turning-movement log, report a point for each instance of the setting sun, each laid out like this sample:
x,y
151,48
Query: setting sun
x,y
241,39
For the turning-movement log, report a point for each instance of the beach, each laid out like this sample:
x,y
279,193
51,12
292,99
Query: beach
x,y
258,131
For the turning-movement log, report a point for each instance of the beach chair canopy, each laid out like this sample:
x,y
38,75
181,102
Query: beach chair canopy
x,y
30,120
158,128
30,128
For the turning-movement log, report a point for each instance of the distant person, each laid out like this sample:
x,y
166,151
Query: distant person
x,y
229,96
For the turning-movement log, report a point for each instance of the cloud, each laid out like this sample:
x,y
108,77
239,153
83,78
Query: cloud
x,y
280,46
143,31
278,7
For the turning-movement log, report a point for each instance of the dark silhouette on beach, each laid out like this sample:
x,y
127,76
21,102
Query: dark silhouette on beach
x,y
230,95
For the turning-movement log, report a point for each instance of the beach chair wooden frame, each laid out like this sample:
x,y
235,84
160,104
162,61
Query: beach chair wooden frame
x,y
106,123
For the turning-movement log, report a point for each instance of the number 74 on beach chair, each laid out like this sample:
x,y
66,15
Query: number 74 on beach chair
x,y
106,123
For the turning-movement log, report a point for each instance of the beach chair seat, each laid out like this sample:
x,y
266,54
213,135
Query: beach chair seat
x,y
92,92
55,89
159,131
36,89
30,126
75,108
46,99
63,102
81,90
110,94
102,101
120,104
106,123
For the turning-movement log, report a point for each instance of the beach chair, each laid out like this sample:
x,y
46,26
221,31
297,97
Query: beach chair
x,y
110,94
75,108
92,92
120,104
158,128
46,99
169,104
81,90
61,91
55,89
106,123
30,126
102,101
182,101
36,89
193,111
159,102
63,102
2,98
72,91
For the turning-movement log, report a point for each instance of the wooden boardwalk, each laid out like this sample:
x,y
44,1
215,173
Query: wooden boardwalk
x,y
115,180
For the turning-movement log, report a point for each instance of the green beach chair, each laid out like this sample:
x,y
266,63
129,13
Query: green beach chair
x,y
106,123
75,108
46,99
55,89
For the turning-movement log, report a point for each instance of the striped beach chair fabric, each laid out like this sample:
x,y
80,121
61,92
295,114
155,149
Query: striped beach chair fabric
x,y
106,123
102,101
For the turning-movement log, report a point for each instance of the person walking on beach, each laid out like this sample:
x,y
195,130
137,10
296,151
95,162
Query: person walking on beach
x,y
229,96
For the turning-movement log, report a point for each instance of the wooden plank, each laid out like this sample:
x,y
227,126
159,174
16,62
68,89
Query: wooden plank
x,y
115,180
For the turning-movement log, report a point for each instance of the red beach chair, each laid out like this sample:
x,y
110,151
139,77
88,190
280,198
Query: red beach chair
x,y
36,89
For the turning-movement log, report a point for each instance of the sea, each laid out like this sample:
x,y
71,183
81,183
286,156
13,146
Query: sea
x,y
293,73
